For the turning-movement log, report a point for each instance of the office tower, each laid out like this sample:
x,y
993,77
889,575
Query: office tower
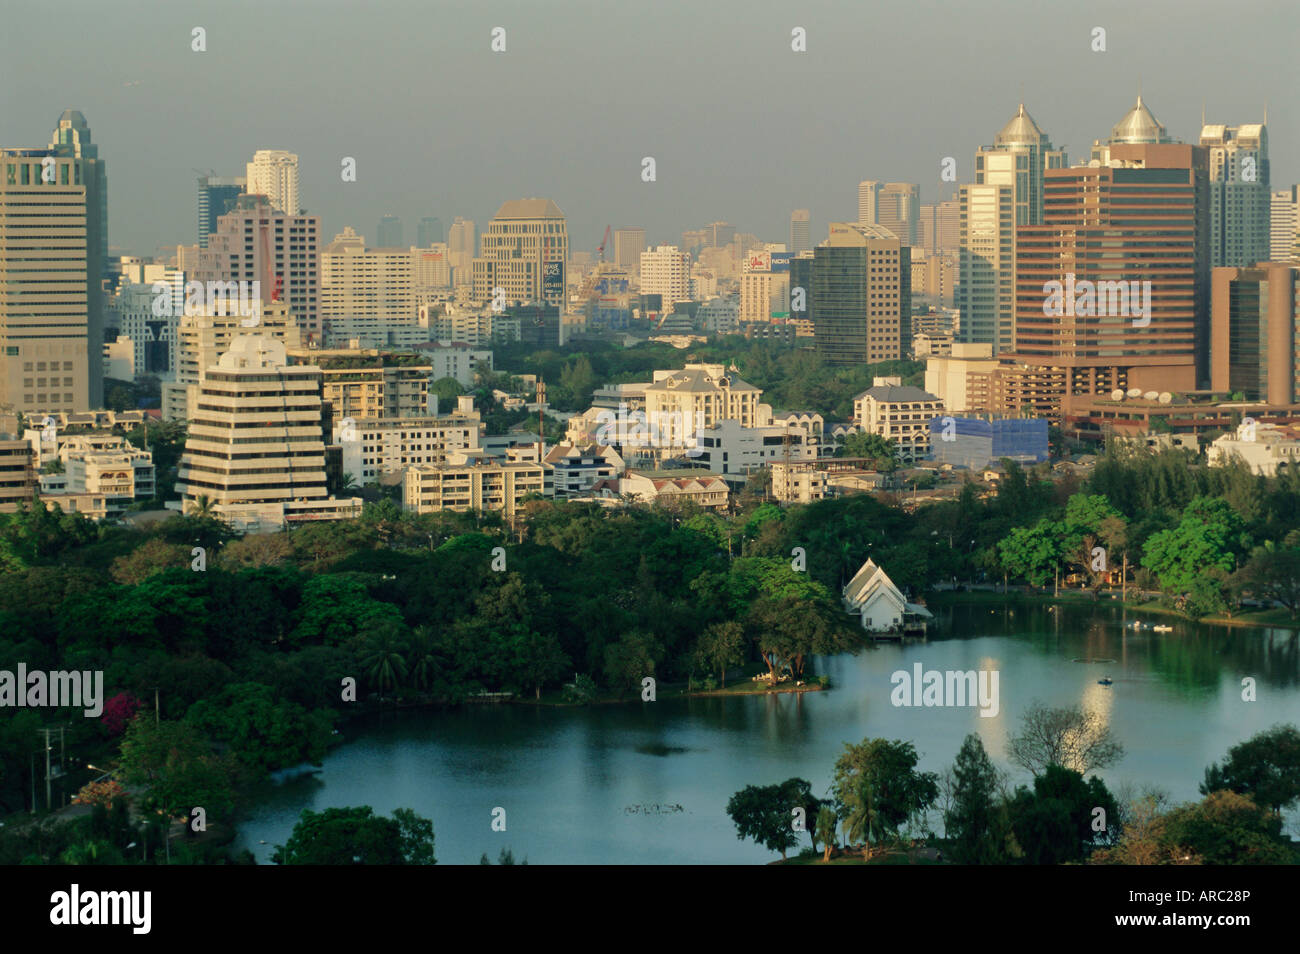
x,y
800,231
719,234
763,291
72,138
217,196
941,226
801,284
628,246
898,208
1141,219
1254,317
666,271
1239,193
1284,225
461,248
861,284
274,174
868,201
251,469
428,231
51,259
358,283
1008,192
523,253
390,232
256,242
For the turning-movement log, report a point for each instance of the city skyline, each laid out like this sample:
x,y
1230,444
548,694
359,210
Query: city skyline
x,y
473,148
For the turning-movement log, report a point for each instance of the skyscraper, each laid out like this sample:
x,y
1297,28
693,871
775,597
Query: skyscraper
x,y
898,209
461,249
256,242
217,196
800,231
941,226
1284,225
72,138
274,174
1008,193
868,199
1255,313
390,232
666,271
628,245
428,232
1141,218
523,253
1239,193
862,289
52,255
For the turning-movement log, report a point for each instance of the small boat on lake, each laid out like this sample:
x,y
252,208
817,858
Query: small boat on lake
x,y
1105,681
1162,629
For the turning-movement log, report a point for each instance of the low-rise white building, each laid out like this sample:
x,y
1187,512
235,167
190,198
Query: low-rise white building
x,y
1262,446
898,413
376,447
577,469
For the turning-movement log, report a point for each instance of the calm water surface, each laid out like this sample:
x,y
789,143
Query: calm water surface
x,y
648,783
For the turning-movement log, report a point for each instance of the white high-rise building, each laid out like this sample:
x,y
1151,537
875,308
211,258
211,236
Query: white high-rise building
x,y
800,231
1008,191
274,174
1239,194
868,201
666,271
1284,225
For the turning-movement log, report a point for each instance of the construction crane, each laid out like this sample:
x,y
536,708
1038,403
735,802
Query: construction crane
x,y
600,249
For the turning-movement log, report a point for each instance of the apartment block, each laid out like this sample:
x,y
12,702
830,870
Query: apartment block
x,y
378,448
474,481
1254,323
900,414
861,298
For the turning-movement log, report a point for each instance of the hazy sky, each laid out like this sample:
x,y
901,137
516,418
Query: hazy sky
x,y
742,129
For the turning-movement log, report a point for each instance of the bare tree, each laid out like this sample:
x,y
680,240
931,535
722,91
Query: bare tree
x,y
1069,737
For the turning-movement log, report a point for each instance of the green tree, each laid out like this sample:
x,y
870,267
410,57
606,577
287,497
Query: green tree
x,y
537,659
876,784
721,645
176,767
263,733
764,813
1227,828
1207,536
352,836
974,823
1053,824
825,830
881,452
1266,767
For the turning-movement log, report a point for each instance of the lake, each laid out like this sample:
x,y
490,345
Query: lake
x,y
648,783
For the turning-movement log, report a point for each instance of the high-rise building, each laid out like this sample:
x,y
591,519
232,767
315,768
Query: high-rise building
x,y
390,232
255,471
800,231
201,340
1135,232
868,201
256,242
666,271
1254,318
428,231
628,245
1239,193
523,253
51,260
1008,193
719,234
1284,225
898,208
461,248
862,294
1139,127
72,138
274,174
941,226
217,196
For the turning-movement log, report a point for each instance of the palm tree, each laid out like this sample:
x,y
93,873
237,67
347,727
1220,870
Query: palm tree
x,y
203,506
349,483
384,664
424,661
863,822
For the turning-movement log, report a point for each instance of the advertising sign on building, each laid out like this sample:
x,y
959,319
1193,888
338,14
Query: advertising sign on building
x,y
758,261
552,279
